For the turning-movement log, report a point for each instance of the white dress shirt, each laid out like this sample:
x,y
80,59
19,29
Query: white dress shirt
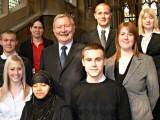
x,y
68,47
11,108
145,41
99,28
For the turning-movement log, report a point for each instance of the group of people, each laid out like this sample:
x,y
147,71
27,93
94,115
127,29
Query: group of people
x,y
106,75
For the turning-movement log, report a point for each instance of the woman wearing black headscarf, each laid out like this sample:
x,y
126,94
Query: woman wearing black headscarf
x,y
45,104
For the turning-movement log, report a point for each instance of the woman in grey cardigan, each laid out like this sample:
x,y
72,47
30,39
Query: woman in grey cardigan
x,y
135,71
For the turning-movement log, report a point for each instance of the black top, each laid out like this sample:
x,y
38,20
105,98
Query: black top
x,y
48,109
153,48
51,107
120,77
107,100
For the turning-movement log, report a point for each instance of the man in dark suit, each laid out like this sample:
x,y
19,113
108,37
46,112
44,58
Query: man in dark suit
x,y
32,47
63,59
9,42
103,34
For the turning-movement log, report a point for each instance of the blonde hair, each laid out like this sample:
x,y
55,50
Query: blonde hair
x,y
152,13
6,85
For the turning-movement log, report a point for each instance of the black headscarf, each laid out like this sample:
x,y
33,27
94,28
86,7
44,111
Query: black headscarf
x,y
43,77
42,108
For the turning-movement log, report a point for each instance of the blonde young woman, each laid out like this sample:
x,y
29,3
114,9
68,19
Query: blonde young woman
x,y
135,71
14,92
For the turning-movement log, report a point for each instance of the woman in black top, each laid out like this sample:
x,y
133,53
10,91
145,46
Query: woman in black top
x,y
149,42
45,104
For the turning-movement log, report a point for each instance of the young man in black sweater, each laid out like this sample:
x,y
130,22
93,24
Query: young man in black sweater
x,y
98,97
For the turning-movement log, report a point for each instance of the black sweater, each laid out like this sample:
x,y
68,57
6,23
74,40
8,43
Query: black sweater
x,y
107,100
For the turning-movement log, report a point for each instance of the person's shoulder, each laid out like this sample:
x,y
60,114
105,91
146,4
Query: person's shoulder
x,y
113,29
26,41
59,102
25,59
48,41
156,36
91,32
78,46
80,86
2,61
111,58
50,47
145,57
113,83
156,33
29,104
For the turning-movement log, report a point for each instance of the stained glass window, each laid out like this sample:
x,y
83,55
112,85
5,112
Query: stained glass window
x,y
14,3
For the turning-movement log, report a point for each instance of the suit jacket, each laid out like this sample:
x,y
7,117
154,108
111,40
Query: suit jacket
x,y
93,36
141,83
153,50
26,49
71,73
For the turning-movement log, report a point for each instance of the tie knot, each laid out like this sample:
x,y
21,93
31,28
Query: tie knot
x,y
63,48
103,31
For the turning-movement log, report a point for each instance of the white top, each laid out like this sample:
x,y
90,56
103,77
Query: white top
x,y
68,47
11,108
99,28
145,41
97,81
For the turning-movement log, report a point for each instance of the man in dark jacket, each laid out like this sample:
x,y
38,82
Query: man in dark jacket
x,y
103,33
63,59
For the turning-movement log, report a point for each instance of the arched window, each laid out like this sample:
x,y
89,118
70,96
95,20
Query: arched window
x,y
154,4
8,6
128,16
14,3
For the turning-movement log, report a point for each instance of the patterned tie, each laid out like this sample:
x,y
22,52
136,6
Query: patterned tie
x,y
103,38
63,55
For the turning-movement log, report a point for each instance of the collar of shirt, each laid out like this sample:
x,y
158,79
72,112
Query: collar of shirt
x,y
98,81
41,43
67,45
99,28
4,57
